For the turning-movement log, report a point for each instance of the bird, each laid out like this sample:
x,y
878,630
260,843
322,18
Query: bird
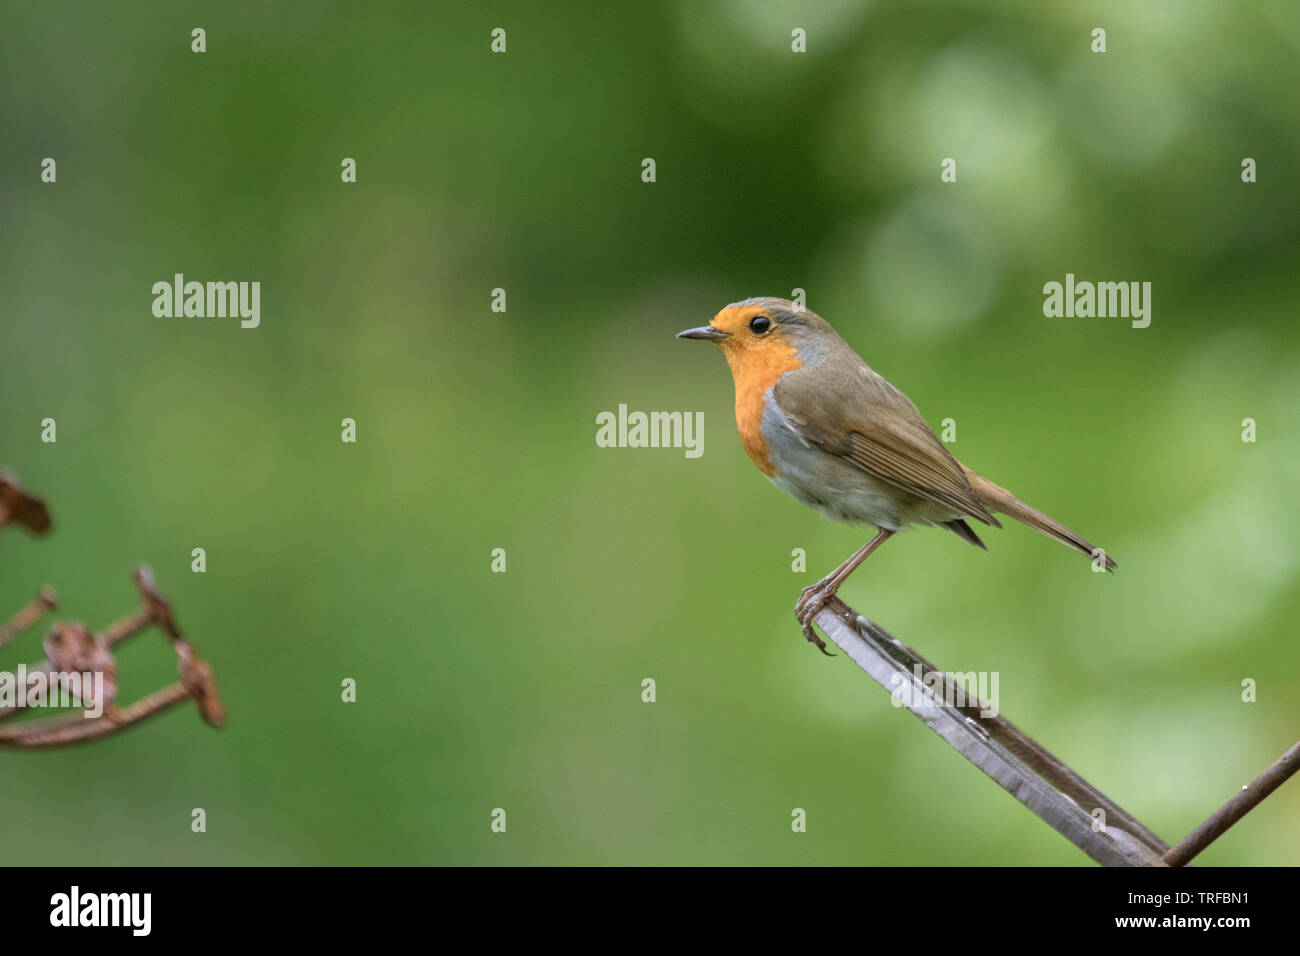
x,y
834,434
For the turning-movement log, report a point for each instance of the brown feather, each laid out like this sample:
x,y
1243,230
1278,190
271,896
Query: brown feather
x,y
1004,502
867,421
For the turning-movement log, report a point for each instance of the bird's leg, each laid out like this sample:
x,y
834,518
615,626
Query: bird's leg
x,y
832,581
815,597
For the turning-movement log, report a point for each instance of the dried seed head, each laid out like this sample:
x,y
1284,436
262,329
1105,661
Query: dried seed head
x,y
72,649
17,505
160,609
199,681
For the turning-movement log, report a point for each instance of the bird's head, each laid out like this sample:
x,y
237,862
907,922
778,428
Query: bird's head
x,y
768,333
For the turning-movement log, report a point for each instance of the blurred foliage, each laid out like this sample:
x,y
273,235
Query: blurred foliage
x,y
476,429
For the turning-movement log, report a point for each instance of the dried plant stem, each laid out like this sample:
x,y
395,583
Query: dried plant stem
x,y
70,647
76,728
28,615
127,627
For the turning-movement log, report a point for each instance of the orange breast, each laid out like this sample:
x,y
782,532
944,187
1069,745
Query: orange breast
x,y
756,369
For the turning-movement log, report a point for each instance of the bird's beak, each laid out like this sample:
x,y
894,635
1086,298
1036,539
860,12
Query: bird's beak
x,y
706,332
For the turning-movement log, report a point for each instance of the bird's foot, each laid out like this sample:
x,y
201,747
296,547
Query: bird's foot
x,y
812,600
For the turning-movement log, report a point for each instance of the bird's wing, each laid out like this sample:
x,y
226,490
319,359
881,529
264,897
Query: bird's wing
x,y
854,413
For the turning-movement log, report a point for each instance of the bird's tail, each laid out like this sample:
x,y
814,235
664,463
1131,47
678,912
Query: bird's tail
x,y
1004,502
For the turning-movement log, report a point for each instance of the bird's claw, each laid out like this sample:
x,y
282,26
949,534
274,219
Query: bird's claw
x,y
812,600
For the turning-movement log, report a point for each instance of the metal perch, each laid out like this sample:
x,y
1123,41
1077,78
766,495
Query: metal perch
x,y
1039,780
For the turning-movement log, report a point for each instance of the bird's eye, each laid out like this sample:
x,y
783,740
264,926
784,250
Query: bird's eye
x,y
759,324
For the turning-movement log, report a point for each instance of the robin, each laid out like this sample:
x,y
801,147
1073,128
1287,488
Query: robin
x,y
832,433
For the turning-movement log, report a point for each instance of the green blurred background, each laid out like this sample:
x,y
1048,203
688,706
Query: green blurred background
x,y
476,430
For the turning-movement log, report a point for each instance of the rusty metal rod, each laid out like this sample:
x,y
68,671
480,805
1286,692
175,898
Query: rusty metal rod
x,y
1045,785
1236,808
